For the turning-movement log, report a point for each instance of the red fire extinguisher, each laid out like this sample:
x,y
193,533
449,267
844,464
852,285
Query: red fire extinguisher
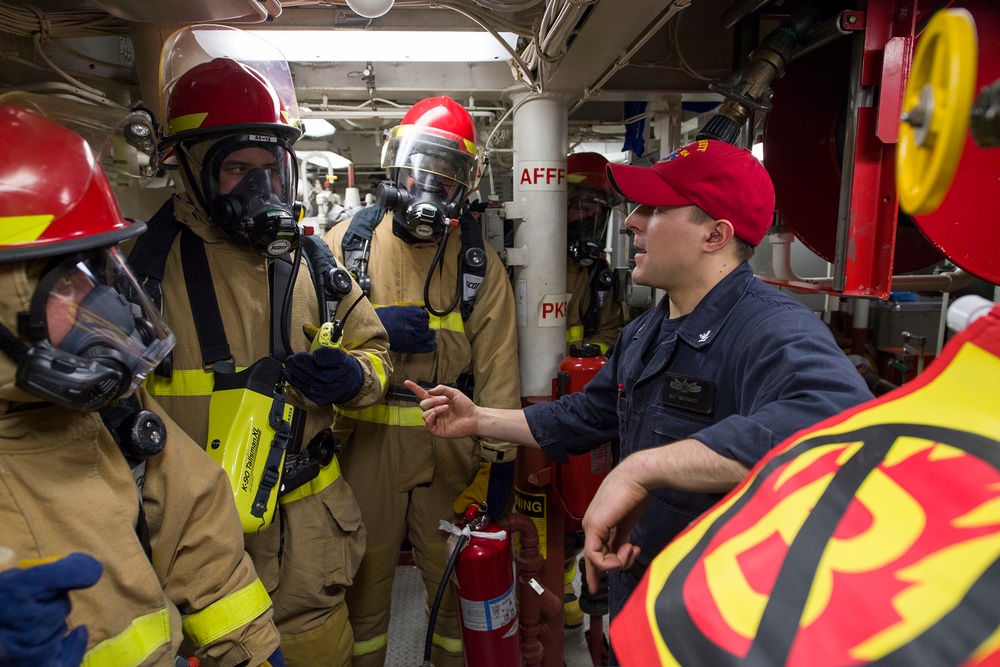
x,y
580,478
487,604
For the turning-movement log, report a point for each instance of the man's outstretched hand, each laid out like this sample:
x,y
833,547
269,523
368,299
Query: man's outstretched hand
x,y
448,413
608,523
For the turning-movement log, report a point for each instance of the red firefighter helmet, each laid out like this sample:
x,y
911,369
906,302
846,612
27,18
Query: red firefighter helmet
x,y
88,346
436,139
53,206
589,170
589,201
224,95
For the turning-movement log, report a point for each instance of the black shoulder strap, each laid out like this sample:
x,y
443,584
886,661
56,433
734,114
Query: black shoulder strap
x,y
148,258
361,228
473,254
600,280
204,303
321,263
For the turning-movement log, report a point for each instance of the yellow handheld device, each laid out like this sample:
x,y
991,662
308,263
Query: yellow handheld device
x,y
249,429
323,335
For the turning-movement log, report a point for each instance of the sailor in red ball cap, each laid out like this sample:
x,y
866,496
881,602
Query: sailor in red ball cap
x,y
699,387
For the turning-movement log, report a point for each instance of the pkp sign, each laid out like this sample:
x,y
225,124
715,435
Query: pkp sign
x,y
552,311
541,175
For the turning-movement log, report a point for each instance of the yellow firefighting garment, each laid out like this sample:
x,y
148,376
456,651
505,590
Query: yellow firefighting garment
x,y
612,315
312,549
66,487
403,477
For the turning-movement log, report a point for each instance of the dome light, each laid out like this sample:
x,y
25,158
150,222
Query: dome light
x,y
371,9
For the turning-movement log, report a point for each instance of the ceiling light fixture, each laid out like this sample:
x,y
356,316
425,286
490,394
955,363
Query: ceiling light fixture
x,y
370,9
388,45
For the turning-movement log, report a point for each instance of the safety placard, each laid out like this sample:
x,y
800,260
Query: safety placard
x,y
540,175
552,311
486,615
533,506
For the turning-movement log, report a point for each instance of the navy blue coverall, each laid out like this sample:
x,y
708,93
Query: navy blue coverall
x,y
748,367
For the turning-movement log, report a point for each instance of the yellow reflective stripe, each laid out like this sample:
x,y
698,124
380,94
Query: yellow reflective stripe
x,y
23,228
393,415
130,648
604,348
379,367
183,383
449,644
371,645
450,322
328,474
192,121
570,574
225,615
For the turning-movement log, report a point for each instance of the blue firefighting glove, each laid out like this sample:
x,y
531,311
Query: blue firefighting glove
x,y
493,484
34,603
408,328
277,659
327,375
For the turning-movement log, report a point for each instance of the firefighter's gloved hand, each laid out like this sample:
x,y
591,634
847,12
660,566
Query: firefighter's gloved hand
x,y
34,603
408,328
493,484
328,375
276,659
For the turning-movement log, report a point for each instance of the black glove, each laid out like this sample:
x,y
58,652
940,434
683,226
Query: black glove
x,y
408,329
35,603
328,375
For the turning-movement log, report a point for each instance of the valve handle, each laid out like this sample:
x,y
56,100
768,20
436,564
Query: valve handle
x,y
937,104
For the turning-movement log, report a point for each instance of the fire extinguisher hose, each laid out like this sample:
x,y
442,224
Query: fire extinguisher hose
x,y
429,640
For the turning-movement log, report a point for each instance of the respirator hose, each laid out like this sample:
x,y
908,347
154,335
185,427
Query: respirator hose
x,y
286,301
439,258
429,640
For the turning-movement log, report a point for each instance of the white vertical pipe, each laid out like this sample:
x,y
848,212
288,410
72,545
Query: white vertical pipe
x,y
540,143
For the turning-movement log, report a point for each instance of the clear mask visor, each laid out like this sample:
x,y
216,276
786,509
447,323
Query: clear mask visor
x,y
85,312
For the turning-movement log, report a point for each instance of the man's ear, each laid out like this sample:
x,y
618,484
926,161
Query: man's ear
x,y
721,232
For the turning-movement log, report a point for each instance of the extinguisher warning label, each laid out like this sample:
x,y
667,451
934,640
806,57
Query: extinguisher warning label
x,y
532,505
484,616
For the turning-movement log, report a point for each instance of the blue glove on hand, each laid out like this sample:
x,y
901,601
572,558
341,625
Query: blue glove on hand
x,y
408,328
34,603
277,659
493,484
328,375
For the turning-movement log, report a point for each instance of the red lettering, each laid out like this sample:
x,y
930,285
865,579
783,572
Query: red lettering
x,y
538,173
562,176
549,172
547,308
561,309
525,176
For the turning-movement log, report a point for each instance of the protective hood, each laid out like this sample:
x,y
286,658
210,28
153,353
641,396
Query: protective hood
x,y
16,290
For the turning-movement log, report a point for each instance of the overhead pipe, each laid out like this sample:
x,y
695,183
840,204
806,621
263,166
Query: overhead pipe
x,y
653,28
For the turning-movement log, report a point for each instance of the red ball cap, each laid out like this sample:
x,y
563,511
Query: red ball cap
x,y
726,182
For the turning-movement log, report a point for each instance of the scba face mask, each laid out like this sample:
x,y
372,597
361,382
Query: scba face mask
x,y
249,182
425,195
90,346
587,215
